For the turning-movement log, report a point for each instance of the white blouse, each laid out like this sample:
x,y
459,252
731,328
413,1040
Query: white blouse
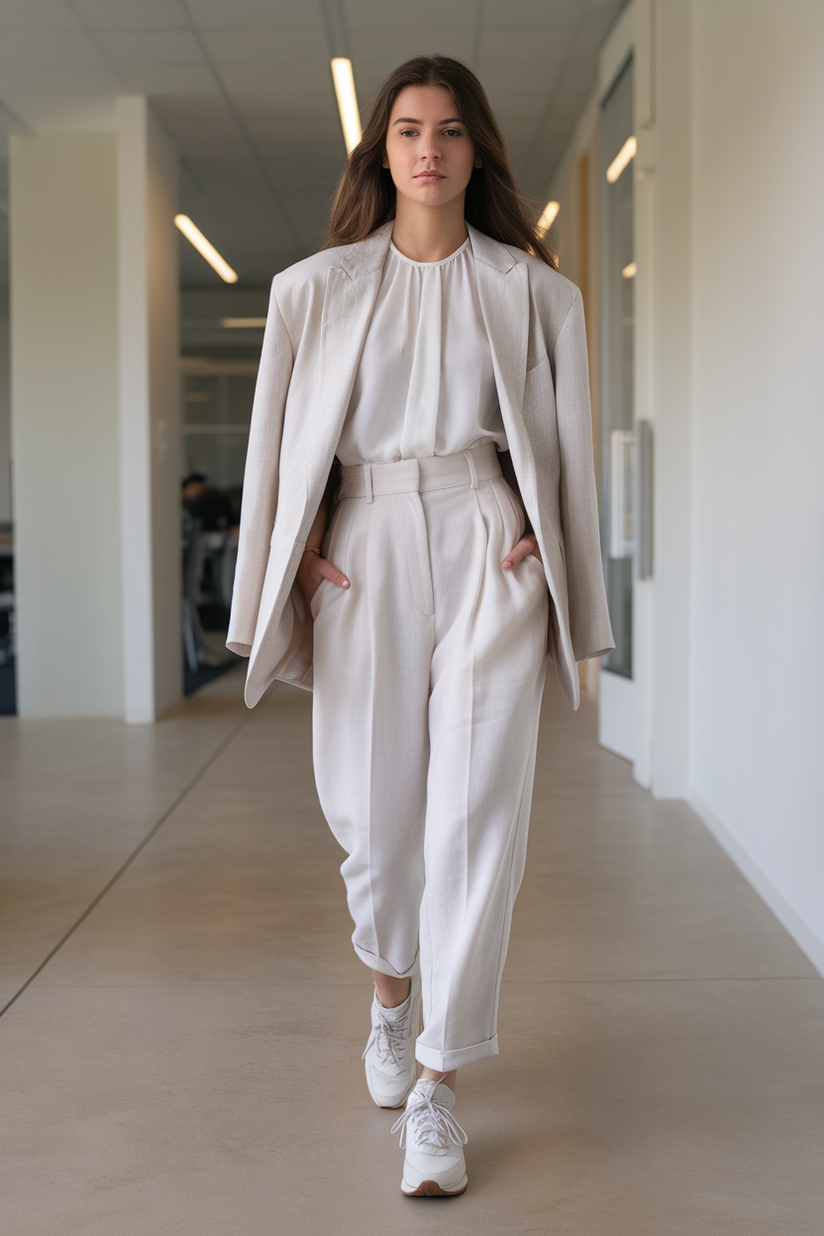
x,y
425,384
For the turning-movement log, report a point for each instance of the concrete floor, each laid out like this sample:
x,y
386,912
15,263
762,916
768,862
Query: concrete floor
x,y
184,1056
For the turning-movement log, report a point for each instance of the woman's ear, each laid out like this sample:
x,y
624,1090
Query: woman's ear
x,y
385,160
478,161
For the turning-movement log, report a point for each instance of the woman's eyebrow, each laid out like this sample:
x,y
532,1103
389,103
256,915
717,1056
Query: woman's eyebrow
x,y
411,120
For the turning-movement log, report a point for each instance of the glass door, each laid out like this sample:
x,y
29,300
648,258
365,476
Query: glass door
x,y
617,702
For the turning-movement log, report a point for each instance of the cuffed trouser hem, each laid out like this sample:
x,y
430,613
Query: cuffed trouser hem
x,y
446,1061
384,967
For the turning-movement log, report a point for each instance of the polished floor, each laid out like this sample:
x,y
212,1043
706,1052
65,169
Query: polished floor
x,y
180,1047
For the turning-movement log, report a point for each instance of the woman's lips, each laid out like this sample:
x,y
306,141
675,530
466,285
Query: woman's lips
x,y
429,176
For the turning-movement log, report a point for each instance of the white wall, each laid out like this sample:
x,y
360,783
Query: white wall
x,y
757,719
64,425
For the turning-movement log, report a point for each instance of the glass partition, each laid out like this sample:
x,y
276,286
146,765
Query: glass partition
x,y
617,281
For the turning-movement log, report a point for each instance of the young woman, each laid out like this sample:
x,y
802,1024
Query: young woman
x,y
419,528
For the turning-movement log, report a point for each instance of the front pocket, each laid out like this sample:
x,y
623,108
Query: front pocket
x,y
514,505
314,603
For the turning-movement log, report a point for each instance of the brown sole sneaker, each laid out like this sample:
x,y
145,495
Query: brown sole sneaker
x,y
431,1188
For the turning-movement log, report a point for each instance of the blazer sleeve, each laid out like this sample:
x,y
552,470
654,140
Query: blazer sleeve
x,y
260,480
590,628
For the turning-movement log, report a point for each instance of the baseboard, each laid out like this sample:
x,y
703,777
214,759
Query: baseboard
x,y
805,938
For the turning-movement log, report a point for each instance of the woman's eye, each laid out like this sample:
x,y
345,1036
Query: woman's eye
x,y
453,132
407,132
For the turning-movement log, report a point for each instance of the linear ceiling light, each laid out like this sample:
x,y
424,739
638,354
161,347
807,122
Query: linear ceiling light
x,y
629,272
243,323
347,102
623,157
547,219
206,250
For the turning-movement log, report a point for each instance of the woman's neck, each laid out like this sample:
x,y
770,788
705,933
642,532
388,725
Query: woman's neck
x,y
428,233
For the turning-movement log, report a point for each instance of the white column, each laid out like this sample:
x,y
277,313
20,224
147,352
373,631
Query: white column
x,y
66,491
149,417
94,421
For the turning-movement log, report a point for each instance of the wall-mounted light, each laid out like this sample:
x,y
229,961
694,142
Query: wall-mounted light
x,y
550,213
243,323
347,102
623,157
629,272
194,235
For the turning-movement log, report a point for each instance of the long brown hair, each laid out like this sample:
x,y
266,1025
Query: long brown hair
x,y
366,195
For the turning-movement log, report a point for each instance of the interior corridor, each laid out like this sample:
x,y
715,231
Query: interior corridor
x,y
186,1055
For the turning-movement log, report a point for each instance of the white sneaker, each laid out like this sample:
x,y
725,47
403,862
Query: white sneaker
x,y
389,1056
435,1165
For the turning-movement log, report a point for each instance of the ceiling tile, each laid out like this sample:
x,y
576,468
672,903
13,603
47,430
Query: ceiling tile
x,y
37,15
277,83
132,14
532,14
29,48
389,48
255,14
70,111
248,85
426,19
516,47
267,46
497,78
222,148
62,81
205,107
151,47
167,79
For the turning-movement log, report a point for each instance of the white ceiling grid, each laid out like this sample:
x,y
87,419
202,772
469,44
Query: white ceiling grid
x,y
244,89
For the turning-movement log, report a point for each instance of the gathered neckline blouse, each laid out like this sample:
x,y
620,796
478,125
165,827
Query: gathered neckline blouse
x,y
425,383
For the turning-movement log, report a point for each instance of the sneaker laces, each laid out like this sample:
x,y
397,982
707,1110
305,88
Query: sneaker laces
x,y
389,1037
434,1123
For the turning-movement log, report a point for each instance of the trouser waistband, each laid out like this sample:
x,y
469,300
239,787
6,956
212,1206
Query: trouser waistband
x,y
406,476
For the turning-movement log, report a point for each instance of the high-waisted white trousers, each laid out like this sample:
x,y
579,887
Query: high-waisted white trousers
x,y
428,676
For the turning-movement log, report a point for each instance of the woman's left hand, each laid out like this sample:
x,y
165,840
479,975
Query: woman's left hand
x,y
527,545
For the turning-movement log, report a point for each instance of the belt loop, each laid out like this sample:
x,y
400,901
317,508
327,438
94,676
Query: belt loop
x,y
367,482
473,471
417,464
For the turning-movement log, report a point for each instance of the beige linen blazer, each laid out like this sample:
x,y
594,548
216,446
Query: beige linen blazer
x,y
319,313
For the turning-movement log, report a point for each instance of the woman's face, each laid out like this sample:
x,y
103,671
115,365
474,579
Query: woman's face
x,y
429,153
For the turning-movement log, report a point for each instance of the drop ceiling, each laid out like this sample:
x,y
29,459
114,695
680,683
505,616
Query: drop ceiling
x,y
244,90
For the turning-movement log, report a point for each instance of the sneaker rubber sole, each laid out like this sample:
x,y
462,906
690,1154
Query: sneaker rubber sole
x,y
431,1188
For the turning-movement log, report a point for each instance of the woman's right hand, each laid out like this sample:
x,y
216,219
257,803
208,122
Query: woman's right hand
x,y
313,569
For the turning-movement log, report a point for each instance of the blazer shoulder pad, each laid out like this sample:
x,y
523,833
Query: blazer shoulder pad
x,y
551,290
312,269
298,288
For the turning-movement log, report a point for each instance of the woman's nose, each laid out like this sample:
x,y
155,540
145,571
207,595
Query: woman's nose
x,y
430,147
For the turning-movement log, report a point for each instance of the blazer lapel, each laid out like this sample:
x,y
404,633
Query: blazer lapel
x,y
503,290
351,291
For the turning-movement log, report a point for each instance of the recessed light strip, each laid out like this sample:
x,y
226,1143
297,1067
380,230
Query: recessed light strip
x,y
347,102
206,250
547,219
623,157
